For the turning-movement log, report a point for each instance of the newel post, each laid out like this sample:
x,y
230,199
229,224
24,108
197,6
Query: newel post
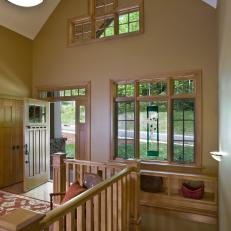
x,y
135,218
59,175
134,192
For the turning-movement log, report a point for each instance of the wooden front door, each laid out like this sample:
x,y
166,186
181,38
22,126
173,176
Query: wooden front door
x,y
11,142
37,145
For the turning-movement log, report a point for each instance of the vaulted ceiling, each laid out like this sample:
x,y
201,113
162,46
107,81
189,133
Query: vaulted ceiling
x,y
26,21
29,21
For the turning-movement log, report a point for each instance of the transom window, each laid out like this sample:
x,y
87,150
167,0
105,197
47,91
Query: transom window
x,y
62,93
158,119
106,20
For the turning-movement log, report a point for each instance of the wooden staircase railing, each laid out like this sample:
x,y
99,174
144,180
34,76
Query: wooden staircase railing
x,y
112,205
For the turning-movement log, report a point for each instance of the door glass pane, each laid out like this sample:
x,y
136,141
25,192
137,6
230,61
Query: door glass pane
x,y
67,109
31,113
82,91
82,114
67,92
74,92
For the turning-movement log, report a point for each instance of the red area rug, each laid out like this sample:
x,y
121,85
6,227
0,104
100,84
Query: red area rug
x,y
10,202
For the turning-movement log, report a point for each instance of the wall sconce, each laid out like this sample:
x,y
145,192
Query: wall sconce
x,y
25,3
217,155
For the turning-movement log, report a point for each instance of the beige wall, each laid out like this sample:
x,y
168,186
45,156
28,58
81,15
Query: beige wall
x,y
15,64
225,114
179,35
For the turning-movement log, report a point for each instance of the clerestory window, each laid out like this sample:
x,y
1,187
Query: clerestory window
x,y
107,19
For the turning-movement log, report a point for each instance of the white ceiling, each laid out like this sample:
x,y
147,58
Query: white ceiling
x,y
29,21
26,21
212,3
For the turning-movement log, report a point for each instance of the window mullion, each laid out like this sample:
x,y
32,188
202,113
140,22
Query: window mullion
x,y
170,123
116,18
126,133
137,122
183,129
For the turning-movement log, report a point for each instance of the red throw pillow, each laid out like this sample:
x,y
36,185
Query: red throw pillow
x,y
74,190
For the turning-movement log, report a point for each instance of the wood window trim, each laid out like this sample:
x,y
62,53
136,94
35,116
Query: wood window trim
x,y
83,100
82,85
194,75
92,17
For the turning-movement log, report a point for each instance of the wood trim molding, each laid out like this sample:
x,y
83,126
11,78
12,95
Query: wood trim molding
x,y
169,77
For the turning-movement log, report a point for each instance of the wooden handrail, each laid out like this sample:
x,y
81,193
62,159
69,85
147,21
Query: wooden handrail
x,y
57,213
110,205
90,163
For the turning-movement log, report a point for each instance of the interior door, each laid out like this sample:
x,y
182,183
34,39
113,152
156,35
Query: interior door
x,y
37,145
11,142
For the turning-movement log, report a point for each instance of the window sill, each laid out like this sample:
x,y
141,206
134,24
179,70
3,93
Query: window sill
x,y
154,163
96,40
150,165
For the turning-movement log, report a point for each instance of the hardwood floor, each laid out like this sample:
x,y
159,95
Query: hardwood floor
x,y
154,219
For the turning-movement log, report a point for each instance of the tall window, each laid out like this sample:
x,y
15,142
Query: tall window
x,y
158,119
107,19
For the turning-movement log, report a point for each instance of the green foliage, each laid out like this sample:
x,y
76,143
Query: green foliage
x,y
125,90
183,87
68,112
70,151
133,27
108,30
134,16
183,116
123,29
186,156
129,22
153,89
178,157
162,152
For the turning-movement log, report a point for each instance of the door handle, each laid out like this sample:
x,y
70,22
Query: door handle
x,y
26,152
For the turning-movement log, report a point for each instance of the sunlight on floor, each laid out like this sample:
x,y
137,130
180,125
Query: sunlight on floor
x,y
41,192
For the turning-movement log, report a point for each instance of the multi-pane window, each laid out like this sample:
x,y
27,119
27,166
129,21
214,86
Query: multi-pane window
x,y
156,119
125,129
81,30
183,134
104,7
62,93
129,22
107,19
